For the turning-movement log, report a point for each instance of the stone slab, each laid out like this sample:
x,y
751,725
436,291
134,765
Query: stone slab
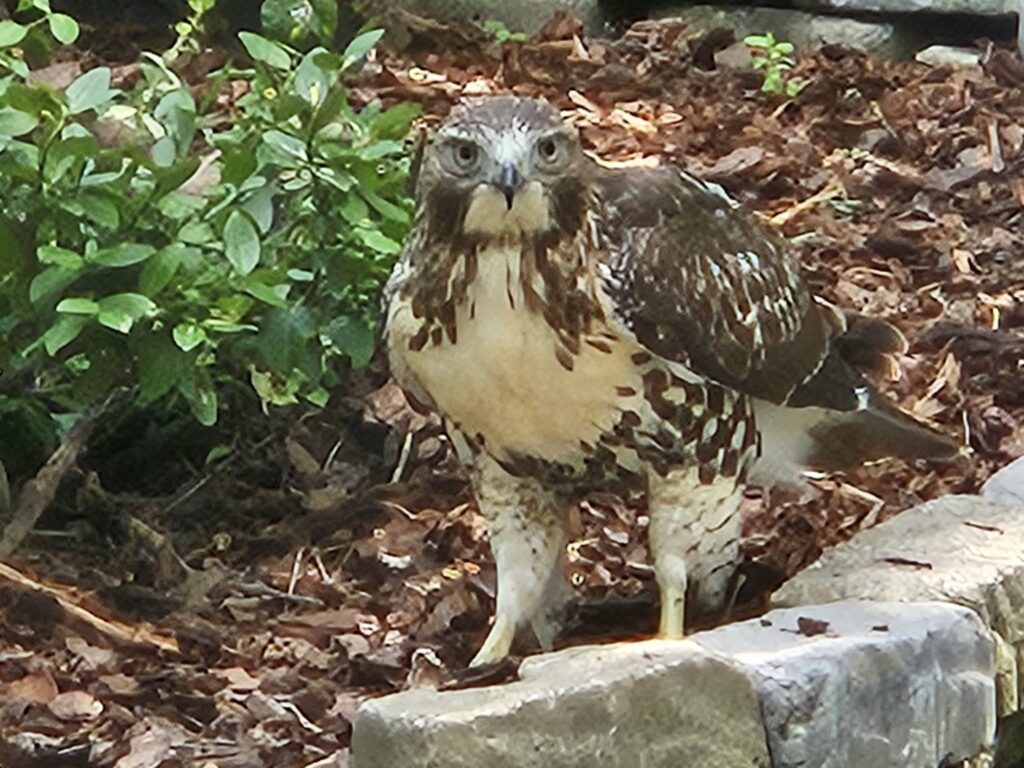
x,y
963,549
658,704
1007,485
854,684
972,7
806,31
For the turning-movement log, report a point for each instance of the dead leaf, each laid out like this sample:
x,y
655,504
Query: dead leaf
x,y
75,706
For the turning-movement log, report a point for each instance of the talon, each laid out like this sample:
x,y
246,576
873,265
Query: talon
x,y
497,644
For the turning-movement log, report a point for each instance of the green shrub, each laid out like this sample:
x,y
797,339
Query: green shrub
x,y
120,265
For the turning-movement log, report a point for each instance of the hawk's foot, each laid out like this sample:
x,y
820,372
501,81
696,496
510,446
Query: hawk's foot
x,y
673,605
497,644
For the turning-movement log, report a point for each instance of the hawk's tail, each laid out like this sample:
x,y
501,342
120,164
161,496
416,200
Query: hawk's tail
x,y
845,439
828,439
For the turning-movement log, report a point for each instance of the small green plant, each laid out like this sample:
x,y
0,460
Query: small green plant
x,y
775,57
501,33
197,252
36,36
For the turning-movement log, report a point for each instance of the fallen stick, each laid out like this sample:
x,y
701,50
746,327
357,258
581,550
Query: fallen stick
x,y
38,493
115,630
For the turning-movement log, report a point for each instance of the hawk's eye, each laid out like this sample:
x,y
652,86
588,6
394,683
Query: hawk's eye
x,y
466,155
550,152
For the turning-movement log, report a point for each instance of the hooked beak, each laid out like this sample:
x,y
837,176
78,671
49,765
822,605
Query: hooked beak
x,y
508,181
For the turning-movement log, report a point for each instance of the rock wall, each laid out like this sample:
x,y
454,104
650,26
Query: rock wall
x,y
900,648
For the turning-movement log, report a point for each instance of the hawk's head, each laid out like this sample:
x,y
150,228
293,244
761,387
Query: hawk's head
x,y
504,167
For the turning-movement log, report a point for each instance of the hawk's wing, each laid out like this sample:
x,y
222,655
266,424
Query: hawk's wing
x,y
702,283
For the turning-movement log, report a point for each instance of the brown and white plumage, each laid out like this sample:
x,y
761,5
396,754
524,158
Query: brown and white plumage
x,y
582,328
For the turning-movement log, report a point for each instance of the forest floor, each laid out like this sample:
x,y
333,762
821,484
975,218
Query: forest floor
x,y
241,619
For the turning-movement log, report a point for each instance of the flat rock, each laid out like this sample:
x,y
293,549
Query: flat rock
x,y
1007,485
657,704
855,684
974,7
948,56
806,31
963,549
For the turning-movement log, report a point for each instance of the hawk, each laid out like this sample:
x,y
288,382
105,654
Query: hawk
x,y
579,328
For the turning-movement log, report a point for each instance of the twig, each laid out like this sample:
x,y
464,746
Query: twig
x,y
5,493
38,492
832,190
113,629
403,458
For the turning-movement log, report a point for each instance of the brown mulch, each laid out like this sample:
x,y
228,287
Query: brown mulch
x,y
901,188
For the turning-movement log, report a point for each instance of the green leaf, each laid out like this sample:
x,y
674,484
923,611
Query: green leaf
x,y
241,242
267,51
312,82
78,306
52,254
89,91
188,336
120,311
361,46
354,337
50,282
161,366
163,152
62,333
39,5
11,33
123,255
218,452
269,389
160,269
297,20
14,122
201,397
101,207
260,205
286,143
395,123
386,209
379,242
63,28
354,209
274,296
197,233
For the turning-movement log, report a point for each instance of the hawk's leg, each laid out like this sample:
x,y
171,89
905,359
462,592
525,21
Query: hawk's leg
x,y
694,538
527,528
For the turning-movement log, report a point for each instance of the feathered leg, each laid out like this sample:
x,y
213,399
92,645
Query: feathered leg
x,y
527,528
694,538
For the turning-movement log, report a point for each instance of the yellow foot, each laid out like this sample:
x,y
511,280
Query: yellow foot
x,y
497,644
673,605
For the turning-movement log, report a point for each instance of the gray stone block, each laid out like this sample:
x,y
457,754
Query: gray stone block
x,y
806,31
657,704
963,549
1007,485
882,684
846,685
974,7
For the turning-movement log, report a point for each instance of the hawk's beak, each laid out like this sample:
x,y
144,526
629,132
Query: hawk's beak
x,y
507,181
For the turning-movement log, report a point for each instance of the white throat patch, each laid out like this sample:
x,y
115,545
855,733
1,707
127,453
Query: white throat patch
x,y
489,214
